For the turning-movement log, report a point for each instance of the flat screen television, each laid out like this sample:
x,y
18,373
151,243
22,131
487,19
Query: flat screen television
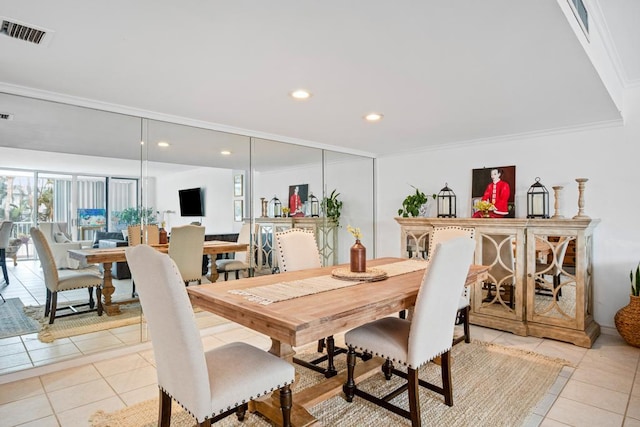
x,y
191,202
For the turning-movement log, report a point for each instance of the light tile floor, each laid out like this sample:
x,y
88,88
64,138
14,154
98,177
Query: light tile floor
x,y
602,390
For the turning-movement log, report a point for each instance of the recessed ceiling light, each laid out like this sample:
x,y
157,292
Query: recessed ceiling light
x,y
163,144
373,117
225,152
300,94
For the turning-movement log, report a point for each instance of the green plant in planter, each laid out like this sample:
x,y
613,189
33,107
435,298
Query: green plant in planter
x,y
635,281
413,202
332,207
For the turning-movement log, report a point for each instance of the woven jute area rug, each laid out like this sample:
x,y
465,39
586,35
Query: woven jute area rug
x,y
493,386
82,323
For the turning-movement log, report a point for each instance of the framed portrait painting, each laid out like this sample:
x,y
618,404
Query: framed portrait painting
x,y
297,197
497,185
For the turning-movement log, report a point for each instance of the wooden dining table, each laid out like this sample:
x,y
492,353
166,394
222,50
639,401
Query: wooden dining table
x,y
306,319
107,256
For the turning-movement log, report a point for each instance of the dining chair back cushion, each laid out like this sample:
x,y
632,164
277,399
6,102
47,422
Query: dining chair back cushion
x,y
134,234
430,331
178,350
151,234
437,301
185,248
443,234
5,233
203,383
296,249
47,260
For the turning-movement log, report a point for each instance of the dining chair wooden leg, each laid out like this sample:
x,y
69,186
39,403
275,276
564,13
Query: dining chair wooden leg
x,y
92,303
99,298
54,305
349,388
241,411
387,369
47,304
286,402
164,415
321,345
237,274
331,348
465,325
414,397
447,389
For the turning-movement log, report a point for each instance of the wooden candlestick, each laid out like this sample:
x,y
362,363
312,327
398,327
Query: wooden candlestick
x,y
581,214
556,207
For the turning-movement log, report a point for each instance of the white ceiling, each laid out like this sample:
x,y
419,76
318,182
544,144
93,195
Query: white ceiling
x,y
440,71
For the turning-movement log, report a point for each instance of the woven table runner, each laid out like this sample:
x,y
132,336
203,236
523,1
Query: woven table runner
x,y
299,288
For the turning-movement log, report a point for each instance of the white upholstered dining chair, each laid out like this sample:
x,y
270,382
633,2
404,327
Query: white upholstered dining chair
x,y
64,280
241,261
442,234
415,342
208,384
296,249
185,248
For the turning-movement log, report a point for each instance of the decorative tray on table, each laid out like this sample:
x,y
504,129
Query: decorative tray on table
x,y
371,275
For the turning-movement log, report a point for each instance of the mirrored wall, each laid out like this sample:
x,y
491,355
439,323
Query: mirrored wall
x,y
145,163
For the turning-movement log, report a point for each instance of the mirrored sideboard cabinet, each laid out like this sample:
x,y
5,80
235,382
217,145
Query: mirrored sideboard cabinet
x,y
540,278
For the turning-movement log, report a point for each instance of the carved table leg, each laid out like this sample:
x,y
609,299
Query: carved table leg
x,y
107,290
213,275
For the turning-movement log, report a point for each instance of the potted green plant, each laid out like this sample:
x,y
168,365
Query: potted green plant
x,y
627,319
332,207
415,204
134,216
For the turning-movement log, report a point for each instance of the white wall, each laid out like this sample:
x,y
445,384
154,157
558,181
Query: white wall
x,y
218,196
609,157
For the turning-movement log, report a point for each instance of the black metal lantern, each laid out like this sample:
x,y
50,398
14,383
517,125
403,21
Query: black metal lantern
x,y
537,201
277,207
315,205
446,203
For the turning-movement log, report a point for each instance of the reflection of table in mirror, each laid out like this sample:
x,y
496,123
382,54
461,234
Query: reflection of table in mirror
x,y
108,256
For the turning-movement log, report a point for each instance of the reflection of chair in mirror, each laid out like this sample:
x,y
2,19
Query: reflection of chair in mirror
x,y
149,235
185,248
212,384
59,241
241,261
497,253
5,235
134,233
64,280
443,234
413,343
296,249
554,269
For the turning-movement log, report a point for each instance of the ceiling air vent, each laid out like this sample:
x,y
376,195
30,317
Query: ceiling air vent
x,y
6,116
23,32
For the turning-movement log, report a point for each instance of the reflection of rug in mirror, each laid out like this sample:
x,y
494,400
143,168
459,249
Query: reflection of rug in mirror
x,y
13,320
82,323
492,386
